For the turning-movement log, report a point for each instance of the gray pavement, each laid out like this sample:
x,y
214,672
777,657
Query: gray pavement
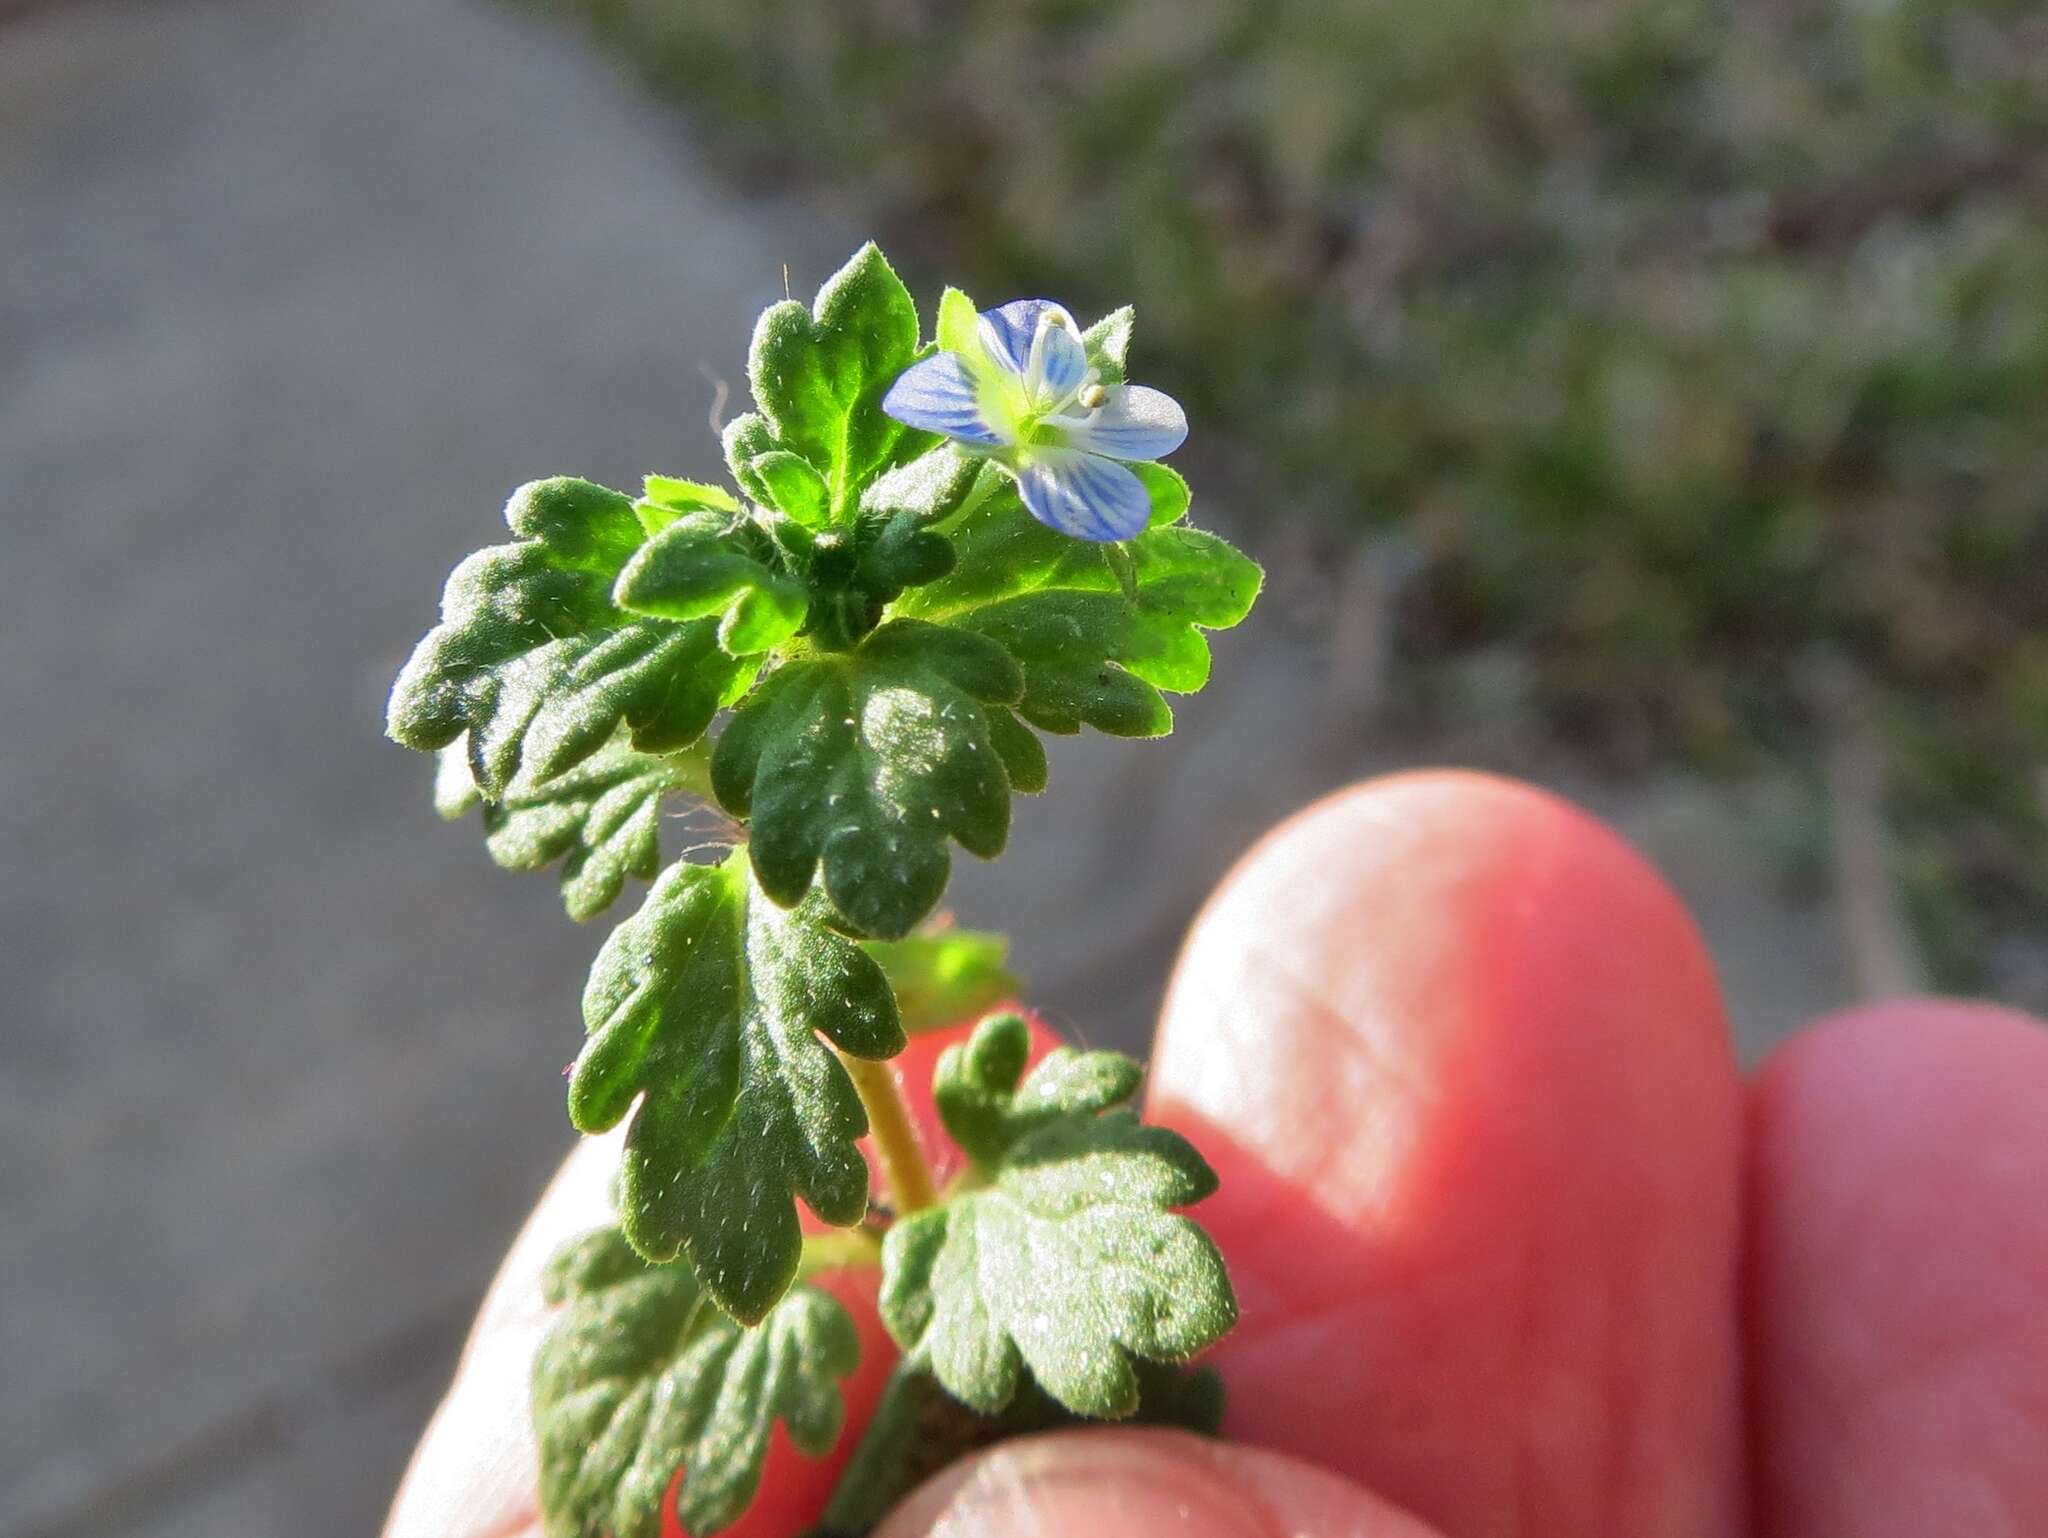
x,y
290,293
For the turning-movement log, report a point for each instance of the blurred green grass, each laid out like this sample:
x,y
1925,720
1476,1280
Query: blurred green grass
x,y
1688,342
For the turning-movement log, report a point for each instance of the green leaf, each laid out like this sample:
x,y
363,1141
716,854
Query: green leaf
x,y
898,555
959,328
918,1429
746,438
602,819
1170,495
864,763
640,1377
976,1089
700,566
1060,1255
927,489
1023,755
705,1008
536,663
945,977
1108,344
819,373
687,496
1099,638
664,498
1117,557
794,487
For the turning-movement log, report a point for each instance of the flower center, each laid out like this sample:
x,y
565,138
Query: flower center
x,y
1042,403
1048,411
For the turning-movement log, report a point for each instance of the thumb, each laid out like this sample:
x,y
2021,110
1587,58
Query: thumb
x,y
1142,1484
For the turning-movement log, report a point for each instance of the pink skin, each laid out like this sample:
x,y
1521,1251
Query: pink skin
x,y
1459,1058
1898,1236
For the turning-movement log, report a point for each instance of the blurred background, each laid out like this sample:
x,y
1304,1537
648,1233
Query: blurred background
x,y
1649,398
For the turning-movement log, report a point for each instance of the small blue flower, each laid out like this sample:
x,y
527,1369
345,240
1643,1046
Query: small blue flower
x,y
1028,399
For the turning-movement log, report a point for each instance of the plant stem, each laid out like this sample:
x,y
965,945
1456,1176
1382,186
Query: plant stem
x,y
839,1250
906,1178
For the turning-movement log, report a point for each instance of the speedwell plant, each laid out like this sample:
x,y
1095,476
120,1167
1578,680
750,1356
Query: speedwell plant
x,y
930,552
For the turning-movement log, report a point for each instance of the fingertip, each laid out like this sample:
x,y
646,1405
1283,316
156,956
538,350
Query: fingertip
x,y
1891,1052
1343,927
1458,1055
1890,1117
1897,1261
1141,1484
1419,963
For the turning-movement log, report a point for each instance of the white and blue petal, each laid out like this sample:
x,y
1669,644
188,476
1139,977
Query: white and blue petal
x,y
1135,422
1058,365
1008,330
940,395
1084,495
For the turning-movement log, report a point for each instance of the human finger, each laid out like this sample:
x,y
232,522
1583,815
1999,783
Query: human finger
x,y
1142,1484
1459,1057
1898,1275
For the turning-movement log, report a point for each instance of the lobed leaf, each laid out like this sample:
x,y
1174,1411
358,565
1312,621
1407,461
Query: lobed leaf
x,y
819,374
865,762
704,1013
640,1376
1061,1255
536,666
1099,637
601,819
699,566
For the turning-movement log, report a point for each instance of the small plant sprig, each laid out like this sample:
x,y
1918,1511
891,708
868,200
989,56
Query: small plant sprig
x,y
930,553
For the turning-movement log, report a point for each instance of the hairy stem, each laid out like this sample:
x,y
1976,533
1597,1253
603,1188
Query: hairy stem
x,y
839,1251
906,1178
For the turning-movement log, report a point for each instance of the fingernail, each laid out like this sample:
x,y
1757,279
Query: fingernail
x,y
1066,1488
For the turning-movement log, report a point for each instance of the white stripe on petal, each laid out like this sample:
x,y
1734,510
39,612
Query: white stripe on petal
x,y
939,395
1136,422
1008,330
1084,495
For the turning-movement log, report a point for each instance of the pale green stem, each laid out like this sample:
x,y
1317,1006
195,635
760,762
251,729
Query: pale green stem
x,y
839,1250
906,1178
